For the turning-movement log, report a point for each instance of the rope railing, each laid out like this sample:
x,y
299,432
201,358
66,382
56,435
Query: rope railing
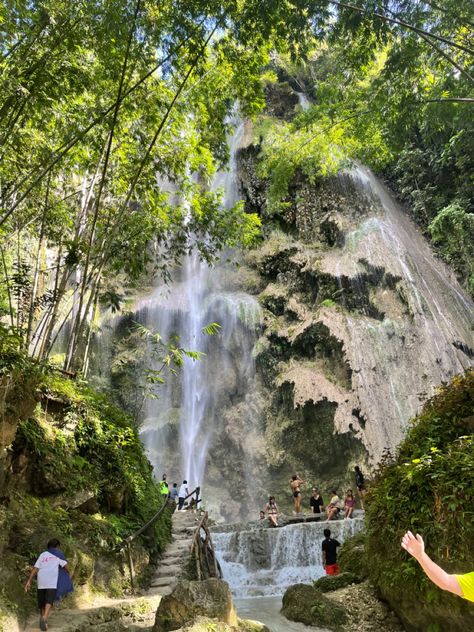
x,y
127,542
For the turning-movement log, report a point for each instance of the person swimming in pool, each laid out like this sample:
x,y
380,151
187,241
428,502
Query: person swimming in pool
x,y
295,485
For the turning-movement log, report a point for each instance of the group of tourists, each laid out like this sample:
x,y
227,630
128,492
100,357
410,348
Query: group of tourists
x,y
336,508
176,495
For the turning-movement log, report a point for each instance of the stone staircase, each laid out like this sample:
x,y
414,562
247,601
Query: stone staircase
x,y
134,614
176,556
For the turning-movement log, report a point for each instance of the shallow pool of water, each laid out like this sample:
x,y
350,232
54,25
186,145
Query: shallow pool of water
x,y
267,611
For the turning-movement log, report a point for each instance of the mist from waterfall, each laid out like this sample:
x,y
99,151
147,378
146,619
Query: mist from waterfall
x,y
179,426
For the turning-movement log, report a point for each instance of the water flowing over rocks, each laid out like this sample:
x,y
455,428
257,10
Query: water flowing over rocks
x,y
258,561
334,331
361,323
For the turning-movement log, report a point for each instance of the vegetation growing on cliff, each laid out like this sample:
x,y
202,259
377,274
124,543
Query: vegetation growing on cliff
x,y
398,100
427,489
75,470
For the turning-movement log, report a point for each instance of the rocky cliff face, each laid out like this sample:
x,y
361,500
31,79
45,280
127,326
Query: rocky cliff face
x,y
361,323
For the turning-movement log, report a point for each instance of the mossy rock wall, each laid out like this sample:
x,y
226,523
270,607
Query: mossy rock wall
x,y
75,470
427,488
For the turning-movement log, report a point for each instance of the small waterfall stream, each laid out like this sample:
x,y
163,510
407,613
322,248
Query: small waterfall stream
x,y
262,562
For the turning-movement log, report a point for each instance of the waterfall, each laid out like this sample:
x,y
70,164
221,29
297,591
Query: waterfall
x,y
259,561
405,320
180,426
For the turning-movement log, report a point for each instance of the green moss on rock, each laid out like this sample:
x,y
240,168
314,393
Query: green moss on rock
x,y
306,604
76,470
427,488
328,583
352,557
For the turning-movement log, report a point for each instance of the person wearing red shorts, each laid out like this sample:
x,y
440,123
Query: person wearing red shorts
x,y
329,554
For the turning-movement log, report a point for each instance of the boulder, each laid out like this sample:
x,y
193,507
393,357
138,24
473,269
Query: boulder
x,y
204,624
306,604
190,599
329,583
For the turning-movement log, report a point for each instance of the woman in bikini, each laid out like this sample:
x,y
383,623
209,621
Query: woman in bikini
x,y
272,511
295,488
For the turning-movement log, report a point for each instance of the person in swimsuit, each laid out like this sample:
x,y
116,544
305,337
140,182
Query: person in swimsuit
x,y
349,504
295,488
272,512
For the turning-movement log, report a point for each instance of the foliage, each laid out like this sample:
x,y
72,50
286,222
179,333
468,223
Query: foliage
x,y
76,450
427,489
395,98
453,230
143,361
352,557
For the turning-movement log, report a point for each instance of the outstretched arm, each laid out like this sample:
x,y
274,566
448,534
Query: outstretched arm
x,y
416,547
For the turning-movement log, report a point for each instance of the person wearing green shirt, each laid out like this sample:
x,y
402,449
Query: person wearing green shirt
x,y
461,585
164,489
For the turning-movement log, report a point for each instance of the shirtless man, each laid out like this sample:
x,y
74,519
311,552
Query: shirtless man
x,y
295,488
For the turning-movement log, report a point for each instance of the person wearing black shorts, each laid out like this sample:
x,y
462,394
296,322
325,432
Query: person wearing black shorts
x,y
295,488
47,568
360,484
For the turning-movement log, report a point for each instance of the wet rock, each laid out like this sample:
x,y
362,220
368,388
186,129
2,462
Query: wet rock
x,y
329,583
306,604
189,600
204,624
366,612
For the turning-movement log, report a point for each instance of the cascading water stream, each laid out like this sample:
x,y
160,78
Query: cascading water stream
x,y
179,426
260,562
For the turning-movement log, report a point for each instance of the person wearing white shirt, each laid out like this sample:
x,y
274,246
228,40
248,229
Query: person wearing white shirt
x,y
47,568
183,492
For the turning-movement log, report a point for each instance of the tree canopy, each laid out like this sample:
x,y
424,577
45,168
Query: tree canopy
x,y
114,116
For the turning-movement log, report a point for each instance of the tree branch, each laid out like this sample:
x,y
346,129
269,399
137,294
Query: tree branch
x,y
65,148
411,27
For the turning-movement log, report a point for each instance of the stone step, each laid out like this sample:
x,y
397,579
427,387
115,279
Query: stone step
x,y
163,581
166,571
178,549
171,560
159,590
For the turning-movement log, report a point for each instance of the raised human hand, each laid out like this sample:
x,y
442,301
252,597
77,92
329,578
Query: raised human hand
x,y
413,544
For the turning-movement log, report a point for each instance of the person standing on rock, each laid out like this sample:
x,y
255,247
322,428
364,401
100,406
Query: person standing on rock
x,y
48,567
164,489
329,554
295,484
461,585
360,484
183,492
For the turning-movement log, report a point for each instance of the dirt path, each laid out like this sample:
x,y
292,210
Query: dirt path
x,y
133,614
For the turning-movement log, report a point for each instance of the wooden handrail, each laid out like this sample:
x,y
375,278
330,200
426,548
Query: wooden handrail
x,y
127,543
196,491
200,546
